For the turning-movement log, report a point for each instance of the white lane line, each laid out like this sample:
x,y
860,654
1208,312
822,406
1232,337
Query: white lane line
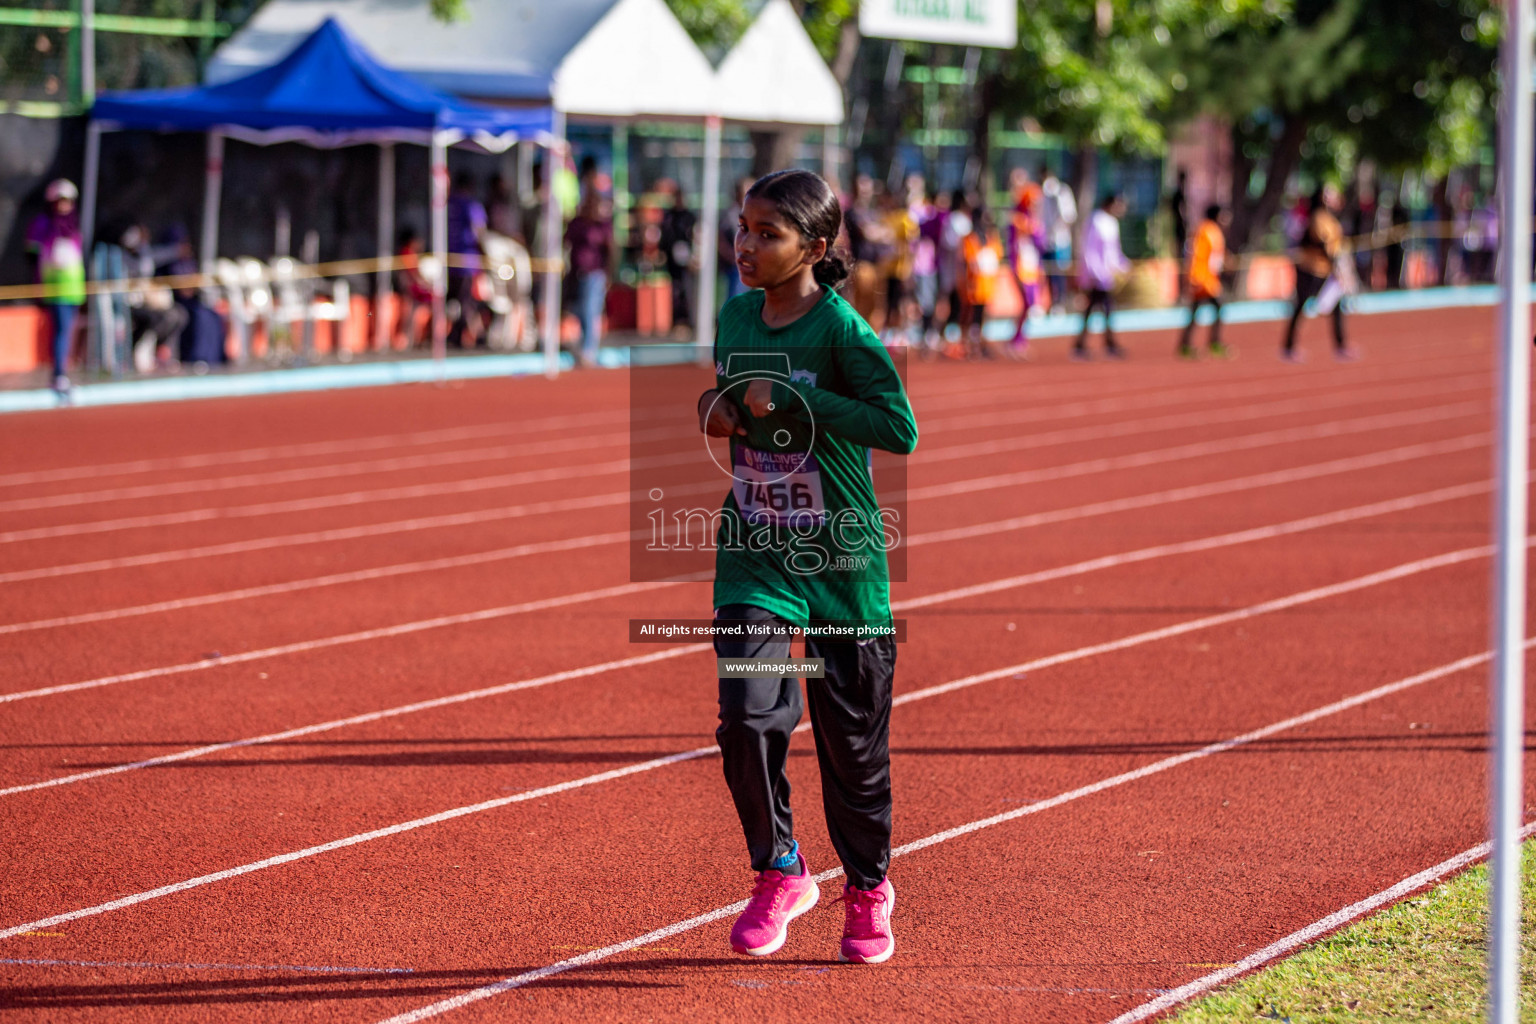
x,y
1394,573
150,965
964,394
304,449
1294,941
1279,529
1349,464
1108,561
1143,501
1198,449
361,636
463,456
991,419
334,579
1225,540
1132,428
1031,386
314,537
584,471
1136,460
428,460
1157,767
499,481
371,716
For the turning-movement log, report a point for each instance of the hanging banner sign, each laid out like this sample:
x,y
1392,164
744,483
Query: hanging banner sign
x,y
969,22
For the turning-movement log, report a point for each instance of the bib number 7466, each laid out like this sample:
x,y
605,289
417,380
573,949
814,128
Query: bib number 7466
x,y
778,487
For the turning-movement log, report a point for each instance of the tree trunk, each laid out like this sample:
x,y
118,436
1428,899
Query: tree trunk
x,y
1085,186
981,136
774,150
1251,215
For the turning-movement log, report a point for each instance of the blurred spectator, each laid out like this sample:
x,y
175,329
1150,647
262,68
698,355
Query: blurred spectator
x,y
1442,239
982,252
1294,223
202,340
1178,214
678,224
466,226
1058,214
1399,222
1102,266
1480,241
929,219
155,320
1362,223
412,288
870,243
1321,245
501,213
957,227
729,221
590,237
58,262
1026,239
897,267
1205,266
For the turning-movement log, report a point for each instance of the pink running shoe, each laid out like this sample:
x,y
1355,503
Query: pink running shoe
x,y
867,937
777,899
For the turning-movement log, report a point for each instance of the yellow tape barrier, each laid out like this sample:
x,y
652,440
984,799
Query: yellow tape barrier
x,y
374,264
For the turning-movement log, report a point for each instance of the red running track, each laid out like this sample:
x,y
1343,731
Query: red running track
x,y
321,707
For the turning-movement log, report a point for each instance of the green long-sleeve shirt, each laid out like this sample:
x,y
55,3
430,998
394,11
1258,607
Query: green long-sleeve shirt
x,y
803,534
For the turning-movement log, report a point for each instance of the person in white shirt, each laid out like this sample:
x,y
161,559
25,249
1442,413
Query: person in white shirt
x,y
1058,213
1102,265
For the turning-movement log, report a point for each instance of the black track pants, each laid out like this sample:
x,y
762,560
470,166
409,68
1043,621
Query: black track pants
x,y
851,718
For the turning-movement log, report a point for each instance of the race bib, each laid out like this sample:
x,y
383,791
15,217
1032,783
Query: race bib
x,y
777,488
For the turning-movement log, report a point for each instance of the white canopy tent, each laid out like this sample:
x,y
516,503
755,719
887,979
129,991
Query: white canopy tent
x,y
773,76
591,59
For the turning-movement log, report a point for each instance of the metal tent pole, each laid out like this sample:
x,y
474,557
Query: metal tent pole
x,y
88,52
1508,712
553,241
439,159
709,238
99,329
213,187
381,277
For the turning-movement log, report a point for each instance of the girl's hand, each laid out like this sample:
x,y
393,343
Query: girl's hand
x,y
759,397
719,418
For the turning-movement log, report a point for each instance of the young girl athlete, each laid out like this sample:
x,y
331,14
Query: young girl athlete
x,y
804,390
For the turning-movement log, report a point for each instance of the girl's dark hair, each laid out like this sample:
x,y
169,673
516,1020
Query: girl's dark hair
x,y
809,203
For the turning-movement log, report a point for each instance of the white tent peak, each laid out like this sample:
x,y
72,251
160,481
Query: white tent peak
x,y
775,75
637,60
601,58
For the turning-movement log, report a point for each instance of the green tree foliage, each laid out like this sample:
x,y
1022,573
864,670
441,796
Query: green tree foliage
x,y
1328,83
715,25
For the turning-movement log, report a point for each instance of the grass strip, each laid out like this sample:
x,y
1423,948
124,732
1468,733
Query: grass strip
x,y
1424,959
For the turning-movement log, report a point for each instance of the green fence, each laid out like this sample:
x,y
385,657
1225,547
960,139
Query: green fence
x,y
138,44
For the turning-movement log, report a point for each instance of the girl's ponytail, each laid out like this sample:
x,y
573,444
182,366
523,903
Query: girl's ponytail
x,y
833,268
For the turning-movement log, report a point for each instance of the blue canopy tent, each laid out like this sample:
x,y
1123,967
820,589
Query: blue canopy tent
x,y
328,91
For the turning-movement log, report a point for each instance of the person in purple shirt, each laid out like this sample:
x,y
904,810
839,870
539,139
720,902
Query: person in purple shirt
x,y
58,261
1103,263
590,238
466,226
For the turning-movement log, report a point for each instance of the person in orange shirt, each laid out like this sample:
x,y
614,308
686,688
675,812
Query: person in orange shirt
x,y
982,255
1205,264
1026,241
